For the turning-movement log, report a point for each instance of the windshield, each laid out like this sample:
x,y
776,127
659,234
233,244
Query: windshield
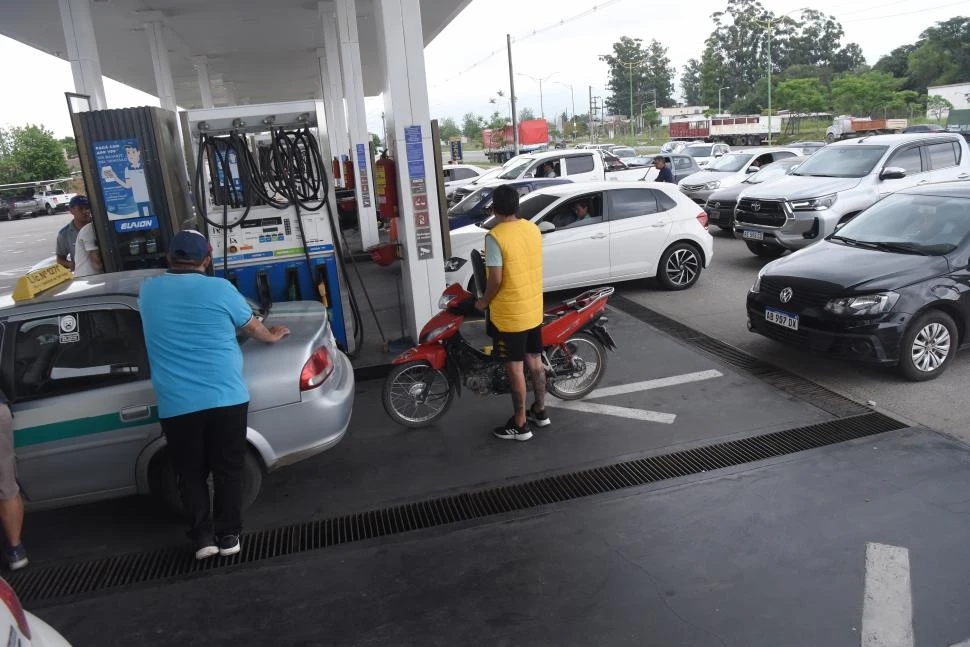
x,y
842,161
471,201
624,152
530,207
56,192
730,163
699,151
516,170
908,223
770,172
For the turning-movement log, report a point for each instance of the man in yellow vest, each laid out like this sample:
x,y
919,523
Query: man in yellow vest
x,y
513,296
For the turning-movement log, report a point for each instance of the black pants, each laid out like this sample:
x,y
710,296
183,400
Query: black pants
x,y
212,440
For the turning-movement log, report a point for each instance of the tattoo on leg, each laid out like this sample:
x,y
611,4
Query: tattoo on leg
x,y
538,373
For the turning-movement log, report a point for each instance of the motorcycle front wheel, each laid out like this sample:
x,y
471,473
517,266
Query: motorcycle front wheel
x,y
585,358
416,395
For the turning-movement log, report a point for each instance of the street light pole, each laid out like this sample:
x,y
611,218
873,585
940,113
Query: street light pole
x,y
542,110
515,124
770,24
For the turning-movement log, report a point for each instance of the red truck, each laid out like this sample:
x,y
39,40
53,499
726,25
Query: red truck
x,y
500,145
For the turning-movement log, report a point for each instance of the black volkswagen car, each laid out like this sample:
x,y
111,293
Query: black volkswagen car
x,y
892,286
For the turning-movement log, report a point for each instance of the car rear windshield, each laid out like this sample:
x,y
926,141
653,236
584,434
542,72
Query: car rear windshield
x,y
914,223
730,163
530,207
842,161
699,151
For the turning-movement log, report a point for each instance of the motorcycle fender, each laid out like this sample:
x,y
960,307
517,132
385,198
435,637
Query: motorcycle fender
x,y
603,335
433,354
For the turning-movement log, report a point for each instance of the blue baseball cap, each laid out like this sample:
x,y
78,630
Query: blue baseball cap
x,y
189,245
79,201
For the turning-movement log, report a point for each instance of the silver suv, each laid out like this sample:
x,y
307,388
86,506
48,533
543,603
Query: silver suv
x,y
838,182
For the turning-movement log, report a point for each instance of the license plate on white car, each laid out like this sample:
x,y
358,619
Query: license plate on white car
x,y
784,319
752,235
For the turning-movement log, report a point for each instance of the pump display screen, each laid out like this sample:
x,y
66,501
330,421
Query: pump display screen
x,y
275,235
261,222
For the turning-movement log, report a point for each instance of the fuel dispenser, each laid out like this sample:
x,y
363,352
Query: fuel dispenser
x,y
136,183
262,187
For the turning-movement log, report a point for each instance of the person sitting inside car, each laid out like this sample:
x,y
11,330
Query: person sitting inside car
x,y
547,170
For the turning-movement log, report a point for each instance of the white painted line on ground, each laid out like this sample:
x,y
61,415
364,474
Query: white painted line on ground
x,y
659,383
887,610
609,410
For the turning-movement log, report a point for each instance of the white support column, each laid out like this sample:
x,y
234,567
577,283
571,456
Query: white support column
x,y
332,80
201,64
353,81
164,84
409,135
82,50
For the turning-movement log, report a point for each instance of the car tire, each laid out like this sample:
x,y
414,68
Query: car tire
x,y
829,138
680,266
49,210
163,482
764,251
928,346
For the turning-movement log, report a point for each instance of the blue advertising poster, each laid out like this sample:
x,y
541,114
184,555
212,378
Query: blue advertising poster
x,y
415,151
121,173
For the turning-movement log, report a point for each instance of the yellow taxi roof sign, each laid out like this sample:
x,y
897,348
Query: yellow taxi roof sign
x,y
33,283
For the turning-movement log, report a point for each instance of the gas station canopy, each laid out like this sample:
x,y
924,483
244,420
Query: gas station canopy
x,y
256,51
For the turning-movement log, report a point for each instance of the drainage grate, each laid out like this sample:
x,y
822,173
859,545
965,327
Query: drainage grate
x,y
41,584
781,379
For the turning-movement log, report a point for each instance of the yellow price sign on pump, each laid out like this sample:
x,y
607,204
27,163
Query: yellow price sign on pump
x,y
33,283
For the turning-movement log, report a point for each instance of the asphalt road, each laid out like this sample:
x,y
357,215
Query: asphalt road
x,y
715,306
25,242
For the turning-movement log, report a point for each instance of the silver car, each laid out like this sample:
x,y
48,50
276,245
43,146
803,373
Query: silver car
x,y
75,368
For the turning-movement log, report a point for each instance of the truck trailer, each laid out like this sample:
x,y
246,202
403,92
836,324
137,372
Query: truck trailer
x,y
500,145
845,127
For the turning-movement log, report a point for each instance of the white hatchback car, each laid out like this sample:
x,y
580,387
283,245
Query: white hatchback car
x,y
456,175
633,230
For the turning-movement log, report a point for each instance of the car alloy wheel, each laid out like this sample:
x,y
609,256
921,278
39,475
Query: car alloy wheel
x,y
928,346
681,266
931,347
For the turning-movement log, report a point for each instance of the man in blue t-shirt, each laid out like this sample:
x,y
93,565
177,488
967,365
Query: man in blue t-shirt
x,y
190,322
665,174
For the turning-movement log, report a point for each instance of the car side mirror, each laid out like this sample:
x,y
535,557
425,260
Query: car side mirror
x,y
545,227
753,169
892,173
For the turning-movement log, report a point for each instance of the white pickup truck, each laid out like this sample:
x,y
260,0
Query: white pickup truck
x,y
42,201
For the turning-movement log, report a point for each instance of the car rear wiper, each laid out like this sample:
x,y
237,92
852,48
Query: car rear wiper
x,y
904,248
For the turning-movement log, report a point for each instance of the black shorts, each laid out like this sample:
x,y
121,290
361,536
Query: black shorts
x,y
513,346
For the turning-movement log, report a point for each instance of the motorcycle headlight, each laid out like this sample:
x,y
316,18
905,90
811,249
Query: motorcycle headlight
x,y
432,335
444,300
814,204
454,264
869,304
710,186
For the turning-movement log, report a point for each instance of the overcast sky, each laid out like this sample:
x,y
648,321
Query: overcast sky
x,y
569,52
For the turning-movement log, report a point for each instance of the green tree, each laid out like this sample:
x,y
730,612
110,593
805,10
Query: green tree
x,y
865,94
802,95
658,78
375,140
447,128
526,113
690,82
896,62
497,120
471,126
713,76
943,55
30,154
937,105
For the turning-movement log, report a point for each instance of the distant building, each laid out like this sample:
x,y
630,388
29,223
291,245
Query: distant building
x,y
956,93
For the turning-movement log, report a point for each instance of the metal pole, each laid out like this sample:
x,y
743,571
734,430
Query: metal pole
x,y
631,102
590,116
515,123
769,82
542,109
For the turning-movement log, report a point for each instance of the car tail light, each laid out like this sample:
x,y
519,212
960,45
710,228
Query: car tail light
x,y
13,604
702,218
316,370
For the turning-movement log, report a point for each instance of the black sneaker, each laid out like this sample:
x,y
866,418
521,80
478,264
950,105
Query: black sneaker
x,y
205,548
537,418
228,545
511,431
15,557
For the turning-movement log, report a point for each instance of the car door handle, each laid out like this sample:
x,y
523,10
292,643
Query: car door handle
x,y
598,236
658,225
131,414
963,176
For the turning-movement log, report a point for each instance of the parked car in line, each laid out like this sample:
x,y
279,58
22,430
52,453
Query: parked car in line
x,y
838,182
680,165
460,193
21,627
475,208
85,415
5,207
706,153
889,287
41,201
729,170
807,148
634,230
456,175
720,205
624,152
578,166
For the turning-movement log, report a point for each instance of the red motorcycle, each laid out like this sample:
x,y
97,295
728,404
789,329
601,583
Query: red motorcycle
x,y
425,379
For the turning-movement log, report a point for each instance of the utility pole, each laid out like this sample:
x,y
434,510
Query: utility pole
x,y
590,113
515,122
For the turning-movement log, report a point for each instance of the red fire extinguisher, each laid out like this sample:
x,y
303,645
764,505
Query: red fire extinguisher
x,y
348,173
336,170
385,180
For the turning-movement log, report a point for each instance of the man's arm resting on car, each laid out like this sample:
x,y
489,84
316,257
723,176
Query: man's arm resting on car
x,y
255,329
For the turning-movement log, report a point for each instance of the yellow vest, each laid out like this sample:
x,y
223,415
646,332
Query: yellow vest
x,y
518,304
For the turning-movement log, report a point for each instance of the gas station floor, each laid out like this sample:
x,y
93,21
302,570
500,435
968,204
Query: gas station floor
x,y
703,499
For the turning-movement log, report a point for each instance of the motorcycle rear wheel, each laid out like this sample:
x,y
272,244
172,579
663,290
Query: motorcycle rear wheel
x,y
416,395
591,352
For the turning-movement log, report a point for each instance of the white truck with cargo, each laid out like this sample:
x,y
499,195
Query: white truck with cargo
x,y
845,127
841,180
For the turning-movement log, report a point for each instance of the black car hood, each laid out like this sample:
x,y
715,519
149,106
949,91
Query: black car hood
x,y
839,269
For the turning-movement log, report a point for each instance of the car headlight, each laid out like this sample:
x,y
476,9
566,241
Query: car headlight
x,y
756,286
710,186
454,264
869,304
814,204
